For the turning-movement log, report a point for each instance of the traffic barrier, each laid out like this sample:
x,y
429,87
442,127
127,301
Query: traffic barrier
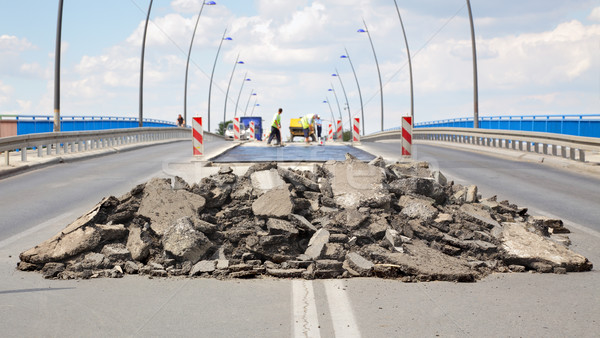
x,y
340,135
252,136
356,130
330,135
236,128
407,136
198,135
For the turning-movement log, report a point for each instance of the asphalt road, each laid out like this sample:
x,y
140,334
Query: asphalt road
x,y
37,204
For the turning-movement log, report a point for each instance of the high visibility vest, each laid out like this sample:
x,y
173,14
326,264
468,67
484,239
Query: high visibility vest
x,y
276,120
306,119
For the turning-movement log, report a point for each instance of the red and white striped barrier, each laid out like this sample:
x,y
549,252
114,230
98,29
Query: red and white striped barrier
x,y
236,128
252,136
340,135
330,135
356,130
407,136
198,135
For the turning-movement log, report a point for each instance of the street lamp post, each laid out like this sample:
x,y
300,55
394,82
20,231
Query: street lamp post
x,y
366,30
229,85
252,93
412,110
475,94
331,110
337,74
57,68
213,73
336,99
254,106
141,117
240,94
187,64
362,112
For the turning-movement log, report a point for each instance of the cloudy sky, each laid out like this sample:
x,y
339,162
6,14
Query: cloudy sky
x,y
534,57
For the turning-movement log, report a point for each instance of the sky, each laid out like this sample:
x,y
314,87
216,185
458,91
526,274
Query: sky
x,y
534,57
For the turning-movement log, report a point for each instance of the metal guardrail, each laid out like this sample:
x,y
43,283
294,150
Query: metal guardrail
x,y
567,146
79,141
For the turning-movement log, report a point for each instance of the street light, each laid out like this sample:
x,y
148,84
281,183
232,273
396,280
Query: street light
x,y
187,64
412,110
366,30
336,99
229,85
213,73
331,110
238,98
337,74
475,94
141,121
254,106
252,93
362,112
56,127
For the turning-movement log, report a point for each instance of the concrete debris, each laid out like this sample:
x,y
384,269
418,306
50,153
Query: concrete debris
x,y
343,219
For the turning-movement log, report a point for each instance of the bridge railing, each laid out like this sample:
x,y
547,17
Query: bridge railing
x,y
566,146
46,144
578,125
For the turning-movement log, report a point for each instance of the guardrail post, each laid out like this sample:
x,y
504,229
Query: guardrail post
x,y
581,155
39,151
554,150
6,157
563,151
572,153
24,155
545,149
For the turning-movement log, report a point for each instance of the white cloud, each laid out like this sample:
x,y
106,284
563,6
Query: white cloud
x,y
595,14
6,93
12,44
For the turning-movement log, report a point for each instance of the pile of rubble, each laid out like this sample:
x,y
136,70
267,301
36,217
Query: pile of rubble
x,y
342,219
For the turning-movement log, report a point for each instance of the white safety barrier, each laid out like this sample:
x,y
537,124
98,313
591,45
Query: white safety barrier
x,y
198,136
236,128
340,134
355,130
330,135
252,136
407,136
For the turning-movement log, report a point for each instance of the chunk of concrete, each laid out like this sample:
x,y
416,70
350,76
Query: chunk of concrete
x,y
417,208
274,203
204,266
138,244
316,245
186,243
354,182
358,263
265,180
281,227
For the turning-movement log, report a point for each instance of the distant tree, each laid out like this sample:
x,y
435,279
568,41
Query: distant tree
x,y
222,127
347,135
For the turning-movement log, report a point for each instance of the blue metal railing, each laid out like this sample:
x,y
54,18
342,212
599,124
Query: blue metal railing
x,y
32,124
578,125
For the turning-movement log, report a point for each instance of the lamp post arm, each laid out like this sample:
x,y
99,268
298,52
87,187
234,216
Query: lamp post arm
x,y
345,96
336,100
247,103
141,121
227,93
378,73
211,77
56,127
412,110
187,64
240,94
331,110
362,112
475,94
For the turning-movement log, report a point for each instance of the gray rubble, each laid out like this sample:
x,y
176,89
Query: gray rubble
x,y
343,219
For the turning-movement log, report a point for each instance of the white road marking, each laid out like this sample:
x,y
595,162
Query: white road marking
x,y
306,321
340,309
35,229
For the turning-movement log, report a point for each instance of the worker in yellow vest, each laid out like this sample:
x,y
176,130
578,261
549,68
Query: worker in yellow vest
x,y
307,121
276,128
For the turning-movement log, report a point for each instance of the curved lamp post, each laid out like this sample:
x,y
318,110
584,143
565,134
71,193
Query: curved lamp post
x,y
213,73
412,110
336,99
187,64
337,74
475,94
331,110
362,112
366,30
56,127
141,117
252,93
229,85
254,106
240,94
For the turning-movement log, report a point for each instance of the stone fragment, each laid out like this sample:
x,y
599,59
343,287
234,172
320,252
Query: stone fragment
x,y
203,267
52,269
116,252
477,214
334,251
316,245
281,227
358,263
302,223
417,208
183,241
158,201
536,252
266,180
274,203
355,183
299,182
131,268
286,273
440,178
471,196
138,243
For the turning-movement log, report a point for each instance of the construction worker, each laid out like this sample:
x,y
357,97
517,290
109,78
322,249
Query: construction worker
x,y
307,121
276,128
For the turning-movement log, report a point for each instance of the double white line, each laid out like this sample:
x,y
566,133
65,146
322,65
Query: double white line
x,y
305,318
